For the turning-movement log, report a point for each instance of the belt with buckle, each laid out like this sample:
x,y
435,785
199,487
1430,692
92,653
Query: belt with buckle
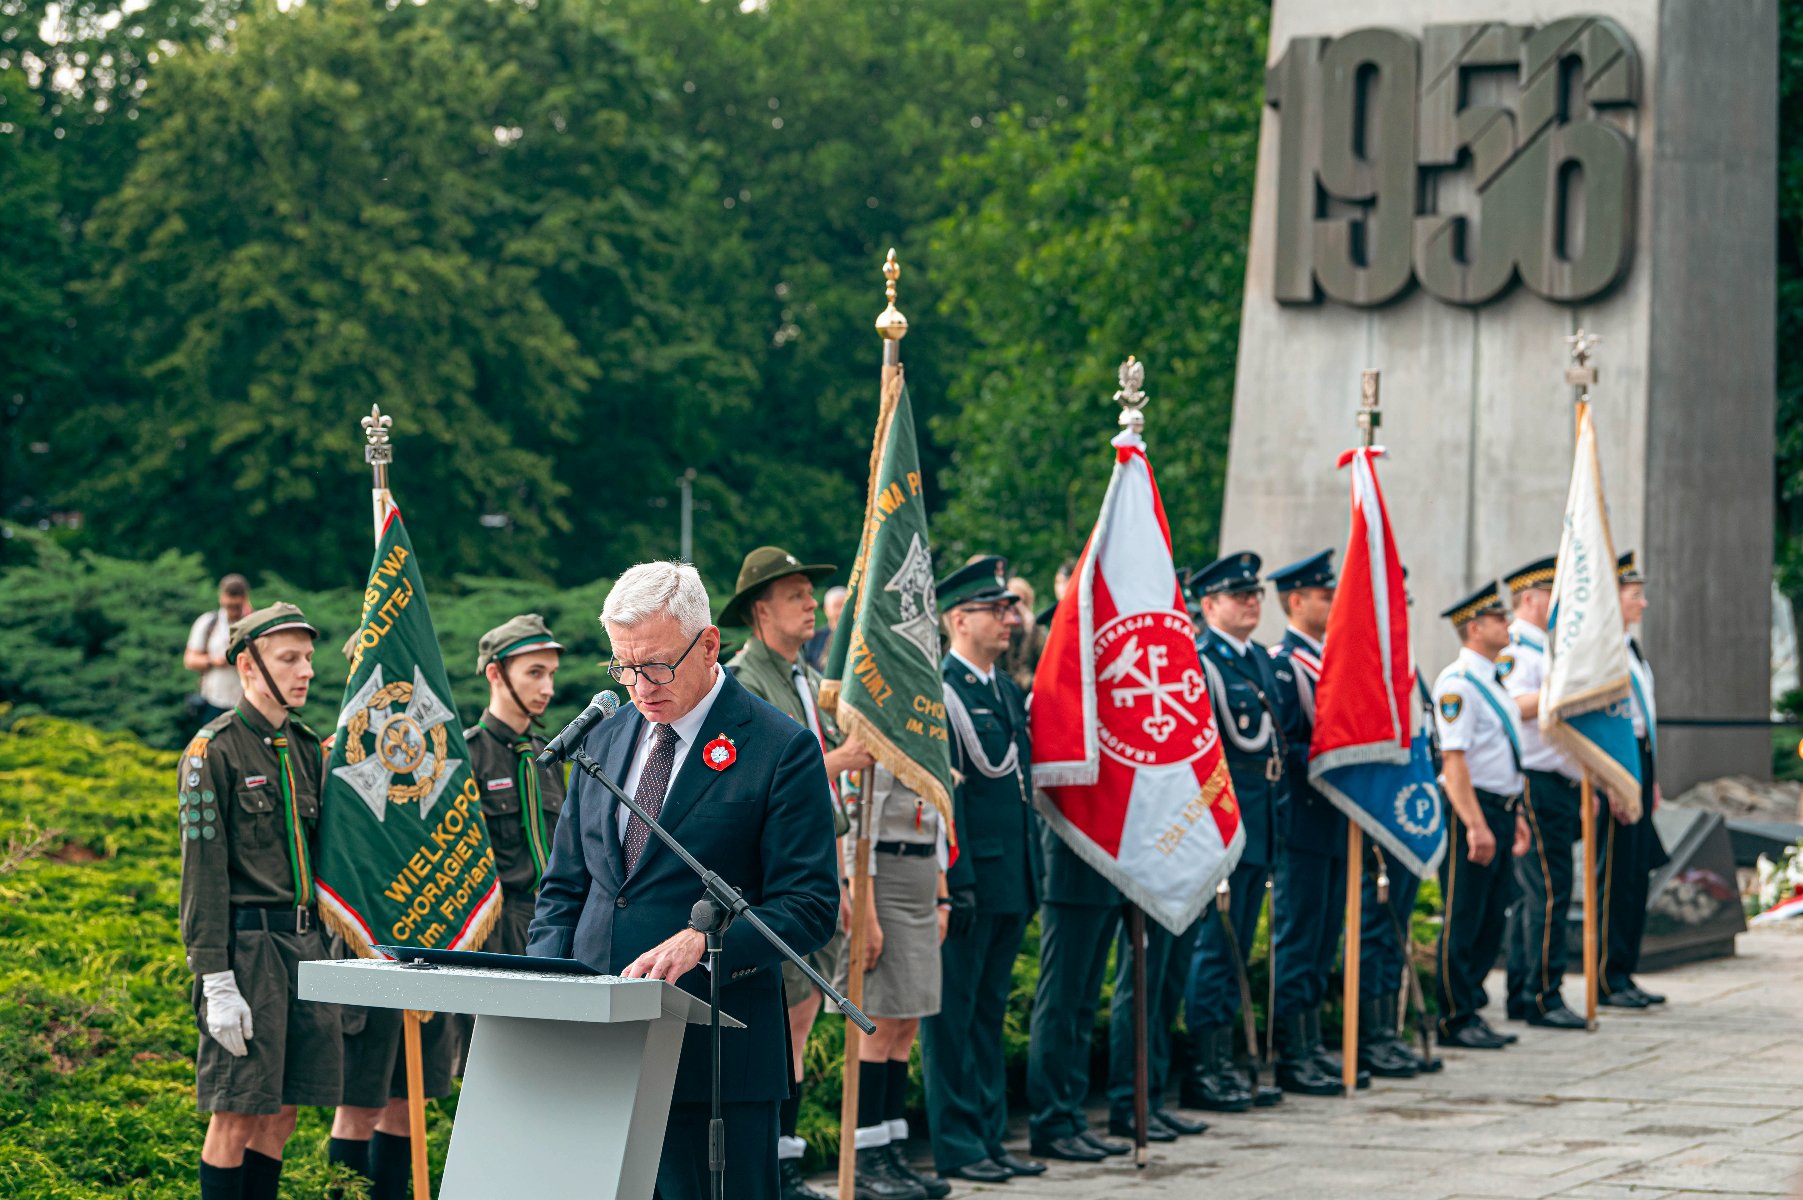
x,y
280,919
907,849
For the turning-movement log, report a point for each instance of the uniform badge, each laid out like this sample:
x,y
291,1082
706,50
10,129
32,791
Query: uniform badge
x,y
720,753
496,785
251,781
1451,705
1504,665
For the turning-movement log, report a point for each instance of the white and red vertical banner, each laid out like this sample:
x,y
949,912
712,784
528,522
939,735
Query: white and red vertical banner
x,y
1364,755
1124,741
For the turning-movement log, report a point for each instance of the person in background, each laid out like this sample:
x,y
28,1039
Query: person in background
x,y
205,655
1022,658
817,646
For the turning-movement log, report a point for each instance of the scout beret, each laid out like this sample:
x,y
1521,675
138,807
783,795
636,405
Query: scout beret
x,y
261,623
525,632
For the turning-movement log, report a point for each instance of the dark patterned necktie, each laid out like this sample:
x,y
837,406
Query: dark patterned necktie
x,y
654,781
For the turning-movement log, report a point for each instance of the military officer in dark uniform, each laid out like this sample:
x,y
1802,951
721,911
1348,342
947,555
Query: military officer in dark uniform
x,y
1079,916
1242,684
1630,852
249,786
993,885
1307,903
1480,745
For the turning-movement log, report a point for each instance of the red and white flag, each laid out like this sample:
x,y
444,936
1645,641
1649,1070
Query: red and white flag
x,y
1124,740
1362,703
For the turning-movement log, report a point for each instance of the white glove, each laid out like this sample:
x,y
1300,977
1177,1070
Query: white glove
x,y
228,1016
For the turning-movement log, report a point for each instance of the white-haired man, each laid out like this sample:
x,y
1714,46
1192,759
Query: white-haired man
x,y
744,788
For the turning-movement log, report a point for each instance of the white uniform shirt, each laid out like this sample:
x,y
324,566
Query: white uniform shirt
x,y
1522,668
687,727
1474,714
219,686
1642,692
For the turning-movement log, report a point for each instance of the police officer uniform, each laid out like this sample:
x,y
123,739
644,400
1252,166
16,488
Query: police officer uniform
x,y
1242,686
1308,899
1630,853
994,888
247,816
1550,803
1475,715
794,688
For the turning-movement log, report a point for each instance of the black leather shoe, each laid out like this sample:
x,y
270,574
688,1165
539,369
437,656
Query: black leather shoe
x,y
876,1178
1074,1148
981,1171
1211,1084
1516,1010
934,1187
1558,1017
1015,1165
1297,1070
1155,1131
794,1184
1331,1064
1473,1036
1103,1144
1649,997
1507,1039
1178,1123
1622,998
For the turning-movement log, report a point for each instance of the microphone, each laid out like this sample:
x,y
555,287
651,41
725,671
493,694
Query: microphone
x,y
600,708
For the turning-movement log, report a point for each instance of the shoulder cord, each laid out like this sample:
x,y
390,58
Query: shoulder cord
x,y
959,718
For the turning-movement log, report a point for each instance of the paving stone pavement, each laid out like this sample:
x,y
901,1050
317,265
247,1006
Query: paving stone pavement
x,y
1700,1098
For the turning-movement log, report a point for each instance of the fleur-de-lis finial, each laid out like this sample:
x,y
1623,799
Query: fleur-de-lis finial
x,y
890,324
377,448
1131,399
1371,413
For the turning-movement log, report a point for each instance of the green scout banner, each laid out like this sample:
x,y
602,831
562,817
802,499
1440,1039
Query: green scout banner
x,y
403,858
882,672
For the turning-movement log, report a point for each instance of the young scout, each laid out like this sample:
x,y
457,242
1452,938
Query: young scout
x,y
249,804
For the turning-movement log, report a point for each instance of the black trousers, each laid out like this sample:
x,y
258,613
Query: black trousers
x,y
1308,911
1475,897
1537,952
1168,958
1074,940
1625,861
1381,951
750,1152
961,1046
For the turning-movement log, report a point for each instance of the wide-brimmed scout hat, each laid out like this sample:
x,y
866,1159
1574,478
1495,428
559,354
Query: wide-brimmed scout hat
x,y
521,635
263,622
761,567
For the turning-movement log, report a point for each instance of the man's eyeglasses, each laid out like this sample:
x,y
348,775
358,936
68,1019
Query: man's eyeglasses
x,y
654,672
1001,610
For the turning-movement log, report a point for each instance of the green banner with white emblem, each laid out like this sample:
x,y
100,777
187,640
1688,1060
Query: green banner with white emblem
x,y
883,668
403,857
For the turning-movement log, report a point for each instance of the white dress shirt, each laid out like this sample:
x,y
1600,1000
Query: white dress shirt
x,y
687,727
1522,668
1480,727
987,676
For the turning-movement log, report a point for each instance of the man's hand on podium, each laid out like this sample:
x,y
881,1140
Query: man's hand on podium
x,y
671,960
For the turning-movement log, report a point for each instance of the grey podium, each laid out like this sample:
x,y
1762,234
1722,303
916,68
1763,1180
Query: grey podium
x,y
566,1087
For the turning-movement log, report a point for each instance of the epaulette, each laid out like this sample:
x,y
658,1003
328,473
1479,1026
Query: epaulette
x,y
469,735
198,747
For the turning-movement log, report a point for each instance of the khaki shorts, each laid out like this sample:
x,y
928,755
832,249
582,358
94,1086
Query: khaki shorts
x,y
798,987
296,1049
375,1058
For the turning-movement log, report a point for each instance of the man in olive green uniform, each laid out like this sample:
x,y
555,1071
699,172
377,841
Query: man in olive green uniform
x,y
994,883
249,790
775,598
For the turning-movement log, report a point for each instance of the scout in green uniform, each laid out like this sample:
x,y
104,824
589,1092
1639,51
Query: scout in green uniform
x,y
993,885
775,598
249,803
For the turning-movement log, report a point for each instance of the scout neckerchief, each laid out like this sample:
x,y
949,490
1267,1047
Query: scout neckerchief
x,y
531,805
297,836
1501,715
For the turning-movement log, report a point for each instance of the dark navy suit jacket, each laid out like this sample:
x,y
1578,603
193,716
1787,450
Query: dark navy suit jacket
x,y
1311,821
765,824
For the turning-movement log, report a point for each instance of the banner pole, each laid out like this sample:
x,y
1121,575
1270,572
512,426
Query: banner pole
x,y
1582,374
854,987
378,452
1136,932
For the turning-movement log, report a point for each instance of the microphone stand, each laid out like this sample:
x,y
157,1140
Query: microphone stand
x,y
711,916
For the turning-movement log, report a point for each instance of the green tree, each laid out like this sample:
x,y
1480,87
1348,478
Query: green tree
x,y
1118,229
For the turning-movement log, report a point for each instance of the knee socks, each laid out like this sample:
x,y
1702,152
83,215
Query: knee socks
x,y
873,1097
390,1166
262,1176
221,1183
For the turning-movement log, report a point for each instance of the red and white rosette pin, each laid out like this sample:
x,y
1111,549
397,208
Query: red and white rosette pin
x,y
720,753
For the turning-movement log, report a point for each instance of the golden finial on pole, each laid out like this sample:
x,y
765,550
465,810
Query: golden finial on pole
x,y
1131,399
378,452
891,326
1582,373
